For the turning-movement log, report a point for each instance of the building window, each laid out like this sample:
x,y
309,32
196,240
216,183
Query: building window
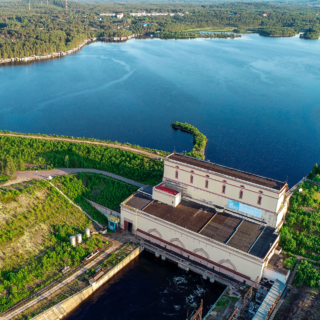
x,y
207,184
191,179
223,189
259,200
241,194
177,174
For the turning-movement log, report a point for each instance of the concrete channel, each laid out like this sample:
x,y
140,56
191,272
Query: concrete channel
x,y
65,307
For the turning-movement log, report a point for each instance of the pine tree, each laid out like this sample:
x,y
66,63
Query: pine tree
x,y
66,161
21,165
9,167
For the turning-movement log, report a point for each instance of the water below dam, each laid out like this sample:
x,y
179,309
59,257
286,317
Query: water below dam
x,y
149,288
255,98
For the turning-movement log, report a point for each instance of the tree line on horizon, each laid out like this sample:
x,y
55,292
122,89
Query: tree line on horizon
x,y
51,28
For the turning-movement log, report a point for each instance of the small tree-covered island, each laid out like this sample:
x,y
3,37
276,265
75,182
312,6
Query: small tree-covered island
x,y
48,29
75,211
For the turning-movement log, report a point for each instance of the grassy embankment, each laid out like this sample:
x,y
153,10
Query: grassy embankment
x,y
301,233
199,139
97,188
36,223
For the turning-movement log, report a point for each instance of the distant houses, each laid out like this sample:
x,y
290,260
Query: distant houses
x,y
143,13
118,15
108,14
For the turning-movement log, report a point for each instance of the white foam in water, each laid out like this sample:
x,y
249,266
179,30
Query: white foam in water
x,y
189,299
199,291
177,307
178,280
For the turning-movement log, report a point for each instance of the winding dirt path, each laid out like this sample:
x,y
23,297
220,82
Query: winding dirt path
x,y
111,145
41,175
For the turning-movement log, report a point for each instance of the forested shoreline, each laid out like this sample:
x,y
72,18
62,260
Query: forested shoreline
x,y
51,28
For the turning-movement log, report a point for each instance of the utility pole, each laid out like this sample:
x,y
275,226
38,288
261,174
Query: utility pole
x,y
234,314
198,314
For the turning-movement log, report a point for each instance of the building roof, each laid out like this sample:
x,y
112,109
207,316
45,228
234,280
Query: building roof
x,y
163,188
146,189
231,172
114,219
237,232
187,214
246,235
264,243
276,290
221,227
139,200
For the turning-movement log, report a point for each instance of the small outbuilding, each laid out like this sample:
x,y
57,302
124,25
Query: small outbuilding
x,y
113,223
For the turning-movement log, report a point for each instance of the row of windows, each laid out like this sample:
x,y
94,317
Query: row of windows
x,y
224,187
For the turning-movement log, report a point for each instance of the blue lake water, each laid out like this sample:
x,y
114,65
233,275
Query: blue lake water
x,y
255,98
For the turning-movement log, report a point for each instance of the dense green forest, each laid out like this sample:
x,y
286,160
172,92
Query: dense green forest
x,y
16,153
35,239
301,233
52,28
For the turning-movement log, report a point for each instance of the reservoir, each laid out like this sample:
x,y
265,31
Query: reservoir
x,y
255,98
149,289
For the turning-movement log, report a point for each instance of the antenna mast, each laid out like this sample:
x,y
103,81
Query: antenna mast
x,y
29,6
66,4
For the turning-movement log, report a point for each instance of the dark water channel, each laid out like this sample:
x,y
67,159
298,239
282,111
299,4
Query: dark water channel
x,y
149,288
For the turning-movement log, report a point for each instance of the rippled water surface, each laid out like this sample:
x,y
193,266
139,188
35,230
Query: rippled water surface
x,y
255,98
149,289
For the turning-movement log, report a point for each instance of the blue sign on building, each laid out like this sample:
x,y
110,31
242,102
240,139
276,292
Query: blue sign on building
x,y
244,208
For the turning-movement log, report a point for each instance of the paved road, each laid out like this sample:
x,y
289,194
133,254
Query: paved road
x,y
149,154
29,175
62,284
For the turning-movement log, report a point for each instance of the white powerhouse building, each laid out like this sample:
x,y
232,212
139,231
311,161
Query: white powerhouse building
x,y
223,218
